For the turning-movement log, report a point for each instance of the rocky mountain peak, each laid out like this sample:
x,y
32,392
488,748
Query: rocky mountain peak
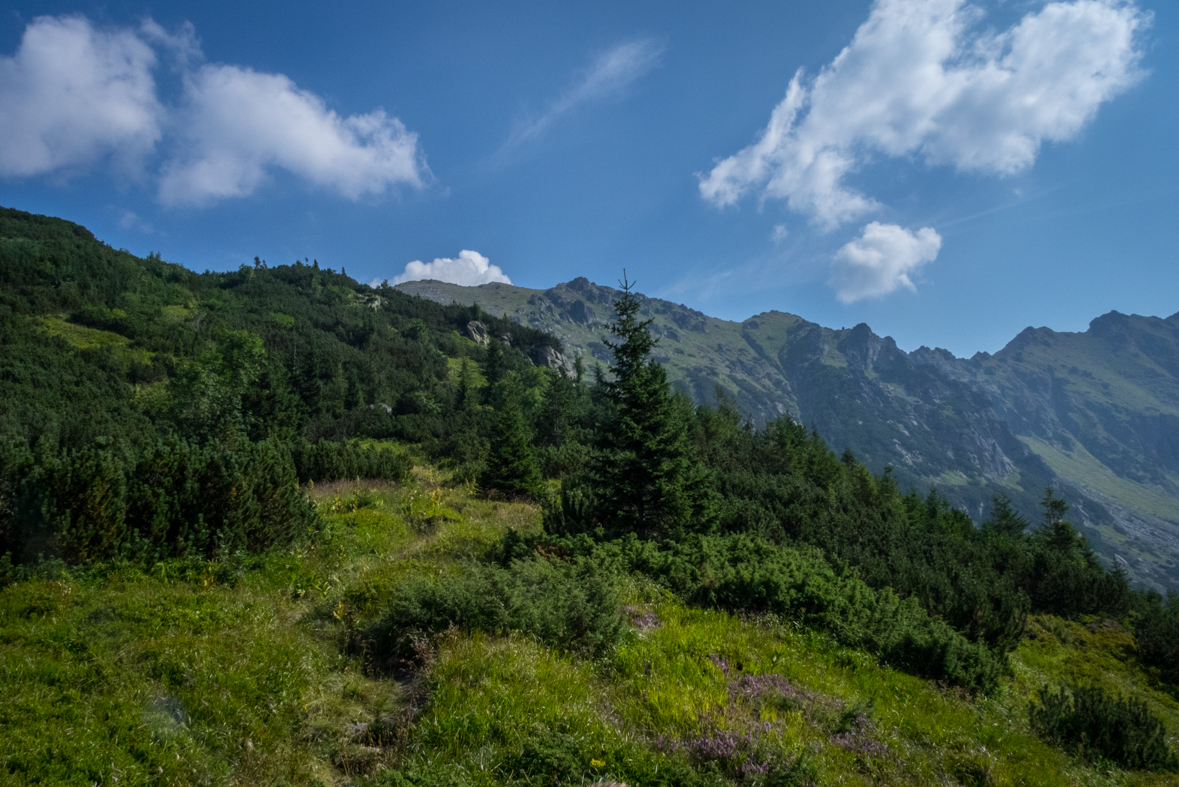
x,y
1109,323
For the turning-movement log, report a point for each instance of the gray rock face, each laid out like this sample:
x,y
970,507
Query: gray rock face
x,y
477,332
543,355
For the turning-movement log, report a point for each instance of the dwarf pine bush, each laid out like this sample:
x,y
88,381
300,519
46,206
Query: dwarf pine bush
x,y
569,606
1096,725
743,573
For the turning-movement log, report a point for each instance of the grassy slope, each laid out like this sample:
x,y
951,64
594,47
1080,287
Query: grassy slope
x,y
1083,468
241,673
1104,376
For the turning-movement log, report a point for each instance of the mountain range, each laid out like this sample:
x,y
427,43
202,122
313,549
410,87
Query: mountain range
x,y
1093,414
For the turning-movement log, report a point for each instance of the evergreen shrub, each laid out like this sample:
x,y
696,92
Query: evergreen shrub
x,y
1156,633
743,573
572,606
333,461
1096,725
169,499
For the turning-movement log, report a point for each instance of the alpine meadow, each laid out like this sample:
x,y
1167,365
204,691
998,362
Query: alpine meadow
x,y
625,393
274,526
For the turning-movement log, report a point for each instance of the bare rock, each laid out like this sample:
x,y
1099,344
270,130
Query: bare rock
x,y
477,332
543,355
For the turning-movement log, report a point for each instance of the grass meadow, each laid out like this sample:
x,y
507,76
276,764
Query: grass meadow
x,y
256,670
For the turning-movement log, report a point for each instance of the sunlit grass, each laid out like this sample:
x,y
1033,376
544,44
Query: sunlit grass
x,y
250,670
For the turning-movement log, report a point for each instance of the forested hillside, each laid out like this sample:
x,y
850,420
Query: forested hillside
x,y
277,526
141,399
1096,413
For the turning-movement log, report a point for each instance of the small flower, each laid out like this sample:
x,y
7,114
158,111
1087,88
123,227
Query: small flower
x,y
597,764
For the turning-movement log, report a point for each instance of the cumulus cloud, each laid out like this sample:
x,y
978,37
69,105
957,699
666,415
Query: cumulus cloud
x,y
611,72
72,95
880,260
238,123
470,269
919,79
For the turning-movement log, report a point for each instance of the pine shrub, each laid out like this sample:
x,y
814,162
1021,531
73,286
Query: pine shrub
x,y
569,606
1096,725
336,461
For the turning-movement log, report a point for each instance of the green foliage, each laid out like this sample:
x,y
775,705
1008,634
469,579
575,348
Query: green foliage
x,y
1095,725
569,606
241,671
149,411
170,499
511,467
328,461
642,478
551,759
746,574
152,415
1156,633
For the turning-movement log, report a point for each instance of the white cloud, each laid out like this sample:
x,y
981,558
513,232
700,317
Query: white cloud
x,y
779,233
73,95
919,80
880,260
183,45
237,123
470,269
610,74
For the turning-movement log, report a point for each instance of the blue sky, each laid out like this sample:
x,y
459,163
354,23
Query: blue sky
x,y
947,172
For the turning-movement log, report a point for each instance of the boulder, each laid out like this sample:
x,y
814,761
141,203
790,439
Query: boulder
x,y
477,332
543,355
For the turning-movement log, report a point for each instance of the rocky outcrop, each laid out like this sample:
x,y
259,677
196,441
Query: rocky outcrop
x,y
477,332
543,355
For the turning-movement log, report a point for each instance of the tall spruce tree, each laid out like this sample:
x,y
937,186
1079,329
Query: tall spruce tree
x,y
643,472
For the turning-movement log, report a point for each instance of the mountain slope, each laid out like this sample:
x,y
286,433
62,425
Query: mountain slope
x,y
1097,412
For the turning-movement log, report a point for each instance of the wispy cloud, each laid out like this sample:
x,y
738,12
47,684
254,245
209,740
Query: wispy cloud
x,y
609,75
130,220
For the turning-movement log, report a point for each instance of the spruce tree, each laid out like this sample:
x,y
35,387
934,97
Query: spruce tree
x,y
465,445
493,367
643,469
557,413
511,465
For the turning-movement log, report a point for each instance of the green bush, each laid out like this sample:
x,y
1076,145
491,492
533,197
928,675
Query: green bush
x,y
331,461
570,606
742,573
1156,633
169,499
548,760
1098,726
